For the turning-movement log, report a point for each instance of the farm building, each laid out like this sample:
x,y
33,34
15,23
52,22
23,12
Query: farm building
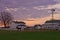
x,y
51,24
37,26
18,25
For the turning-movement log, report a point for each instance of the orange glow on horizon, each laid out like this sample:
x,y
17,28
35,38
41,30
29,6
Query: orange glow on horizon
x,y
42,20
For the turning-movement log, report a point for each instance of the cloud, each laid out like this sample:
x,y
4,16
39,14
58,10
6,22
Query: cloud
x,y
26,3
31,12
10,9
57,0
55,6
15,9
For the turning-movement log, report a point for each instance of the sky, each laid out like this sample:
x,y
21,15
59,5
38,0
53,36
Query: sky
x,y
31,11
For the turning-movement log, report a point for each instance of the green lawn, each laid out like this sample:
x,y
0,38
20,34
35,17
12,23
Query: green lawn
x,y
4,35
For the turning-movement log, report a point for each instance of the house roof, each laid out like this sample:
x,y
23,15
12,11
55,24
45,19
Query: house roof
x,y
53,21
37,25
19,22
21,25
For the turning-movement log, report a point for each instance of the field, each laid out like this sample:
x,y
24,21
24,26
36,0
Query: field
x,y
17,35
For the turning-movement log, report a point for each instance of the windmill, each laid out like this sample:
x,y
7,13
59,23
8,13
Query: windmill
x,y
52,13
52,10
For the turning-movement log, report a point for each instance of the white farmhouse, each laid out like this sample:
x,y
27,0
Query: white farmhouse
x,y
18,25
51,24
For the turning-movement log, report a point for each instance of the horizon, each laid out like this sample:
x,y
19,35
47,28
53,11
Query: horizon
x,y
31,22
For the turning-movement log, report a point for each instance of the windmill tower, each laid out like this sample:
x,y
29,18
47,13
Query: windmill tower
x,y
52,10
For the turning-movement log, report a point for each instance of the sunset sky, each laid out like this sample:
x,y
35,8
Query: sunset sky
x,y
31,11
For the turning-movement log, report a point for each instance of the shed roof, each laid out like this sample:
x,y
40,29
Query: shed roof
x,y
53,21
19,22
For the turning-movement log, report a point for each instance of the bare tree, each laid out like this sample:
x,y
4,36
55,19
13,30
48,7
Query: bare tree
x,y
6,18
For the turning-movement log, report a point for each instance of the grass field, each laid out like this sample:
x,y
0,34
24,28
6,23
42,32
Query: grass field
x,y
4,35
